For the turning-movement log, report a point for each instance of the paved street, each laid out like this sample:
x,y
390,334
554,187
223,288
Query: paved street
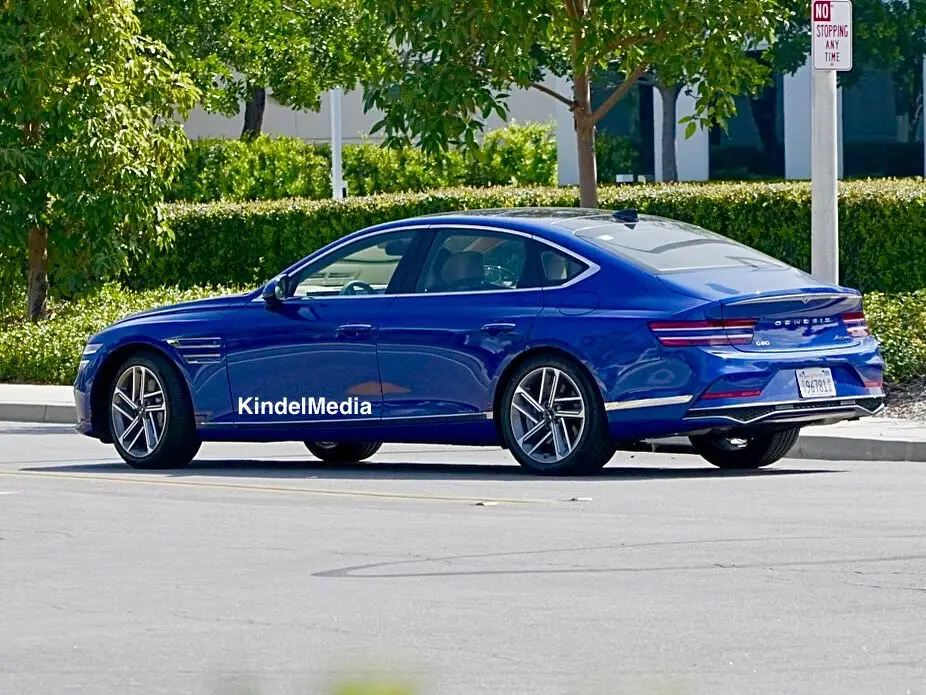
x,y
260,568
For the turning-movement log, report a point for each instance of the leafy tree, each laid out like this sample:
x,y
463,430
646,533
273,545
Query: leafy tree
x,y
456,60
890,35
87,138
236,49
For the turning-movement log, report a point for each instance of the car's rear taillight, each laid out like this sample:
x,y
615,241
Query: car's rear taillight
x,y
703,333
856,324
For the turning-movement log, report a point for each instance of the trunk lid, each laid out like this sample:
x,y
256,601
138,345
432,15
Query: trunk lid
x,y
812,319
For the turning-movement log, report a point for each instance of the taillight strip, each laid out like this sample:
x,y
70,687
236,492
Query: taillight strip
x,y
704,333
856,324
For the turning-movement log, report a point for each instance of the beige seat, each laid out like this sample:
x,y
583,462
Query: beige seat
x,y
462,271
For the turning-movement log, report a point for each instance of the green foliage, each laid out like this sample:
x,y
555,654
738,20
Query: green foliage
x,y
253,169
298,48
882,226
899,323
615,155
87,140
890,36
49,352
265,168
457,61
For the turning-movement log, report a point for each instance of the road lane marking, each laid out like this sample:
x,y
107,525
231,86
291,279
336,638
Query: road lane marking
x,y
275,488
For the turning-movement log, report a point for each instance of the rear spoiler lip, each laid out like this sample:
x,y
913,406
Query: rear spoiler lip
x,y
762,299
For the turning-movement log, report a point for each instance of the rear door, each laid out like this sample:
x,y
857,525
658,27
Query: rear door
x,y
443,342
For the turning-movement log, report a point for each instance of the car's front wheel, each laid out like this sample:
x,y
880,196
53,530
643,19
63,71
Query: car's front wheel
x,y
738,453
343,452
150,418
552,420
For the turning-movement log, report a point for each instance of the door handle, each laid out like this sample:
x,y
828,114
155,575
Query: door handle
x,y
354,328
496,328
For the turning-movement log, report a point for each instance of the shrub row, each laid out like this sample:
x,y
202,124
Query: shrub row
x,y
49,352
266,168
882,227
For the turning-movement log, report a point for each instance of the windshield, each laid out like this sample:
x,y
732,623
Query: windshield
x,y
666,246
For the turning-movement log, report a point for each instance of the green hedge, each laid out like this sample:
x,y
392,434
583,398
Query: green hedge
x,y
882,227
266,168
49,352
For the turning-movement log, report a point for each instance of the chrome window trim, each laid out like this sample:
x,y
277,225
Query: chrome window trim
x,y
590,270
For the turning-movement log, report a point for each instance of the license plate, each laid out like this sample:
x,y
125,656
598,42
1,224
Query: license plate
x,y
816,383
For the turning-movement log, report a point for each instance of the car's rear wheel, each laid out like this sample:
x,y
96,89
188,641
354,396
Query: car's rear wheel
x,y
150,416
740,453
553,420
343,452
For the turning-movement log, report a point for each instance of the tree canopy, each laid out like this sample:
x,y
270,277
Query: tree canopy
x,y
890,35
88,141
455,61
298,49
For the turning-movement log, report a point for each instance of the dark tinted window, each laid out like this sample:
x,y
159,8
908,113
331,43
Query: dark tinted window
x,y
558,268
665,246
476,262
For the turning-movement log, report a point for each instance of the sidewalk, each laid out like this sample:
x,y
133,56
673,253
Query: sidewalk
x,y
871,439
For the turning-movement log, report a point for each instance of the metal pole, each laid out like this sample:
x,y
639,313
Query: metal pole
x,y
824,171
337,184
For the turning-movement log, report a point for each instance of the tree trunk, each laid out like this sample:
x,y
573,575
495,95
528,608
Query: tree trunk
x,y
669,130
254,113
37,299
585,139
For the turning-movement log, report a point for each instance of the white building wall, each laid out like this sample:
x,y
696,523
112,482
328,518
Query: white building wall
x,y
525,105
693,154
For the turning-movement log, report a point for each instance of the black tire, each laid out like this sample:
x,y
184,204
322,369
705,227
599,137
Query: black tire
x,y
593,448
343,452
178,442
757,452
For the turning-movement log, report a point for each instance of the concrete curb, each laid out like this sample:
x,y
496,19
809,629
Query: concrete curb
x,y
809,446
821,448
44,413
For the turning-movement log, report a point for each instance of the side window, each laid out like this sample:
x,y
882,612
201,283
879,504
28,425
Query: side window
x,y
558,268
364,267
477,262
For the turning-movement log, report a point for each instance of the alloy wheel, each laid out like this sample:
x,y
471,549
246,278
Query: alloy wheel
x,y
547,415
138,411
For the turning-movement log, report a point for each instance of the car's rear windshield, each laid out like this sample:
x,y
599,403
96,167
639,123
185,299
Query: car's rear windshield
x,y
665,246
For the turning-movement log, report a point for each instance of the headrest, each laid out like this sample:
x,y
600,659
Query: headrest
x,y
463,267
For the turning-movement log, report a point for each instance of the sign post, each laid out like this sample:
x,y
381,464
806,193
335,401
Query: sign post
x,y
831,40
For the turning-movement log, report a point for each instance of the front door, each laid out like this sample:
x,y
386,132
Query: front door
x,y
310,360
442,347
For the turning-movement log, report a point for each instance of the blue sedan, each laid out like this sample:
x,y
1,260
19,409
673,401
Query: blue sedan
x,y
559,334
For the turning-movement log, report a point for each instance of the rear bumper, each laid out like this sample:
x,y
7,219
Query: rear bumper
x,y
727,390
820,411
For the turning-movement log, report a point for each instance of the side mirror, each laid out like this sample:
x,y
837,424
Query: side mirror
x,y
276,290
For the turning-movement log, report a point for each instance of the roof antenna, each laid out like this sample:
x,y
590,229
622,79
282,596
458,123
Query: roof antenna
x,y
626,215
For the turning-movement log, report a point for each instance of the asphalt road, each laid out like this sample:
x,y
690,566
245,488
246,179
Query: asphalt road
x,y
258,570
